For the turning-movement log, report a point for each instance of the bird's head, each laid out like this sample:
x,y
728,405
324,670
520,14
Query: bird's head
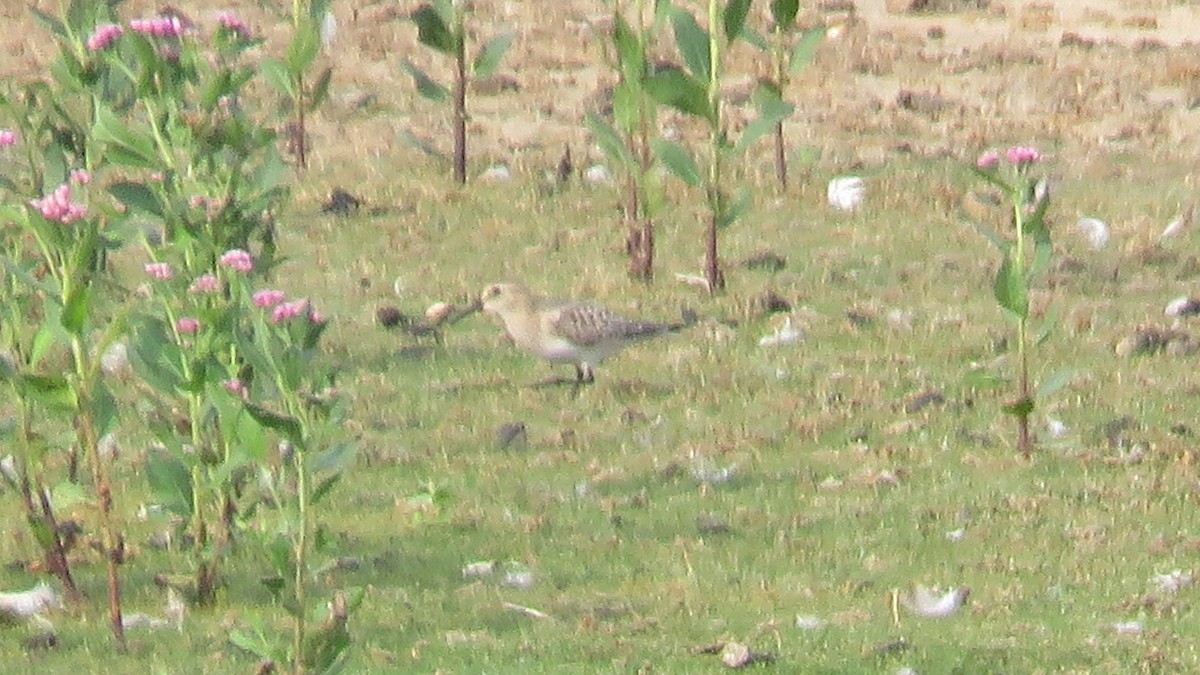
x,y
502,298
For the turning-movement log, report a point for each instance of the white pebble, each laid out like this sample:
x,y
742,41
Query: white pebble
x,y
1095,230
846,193
597,174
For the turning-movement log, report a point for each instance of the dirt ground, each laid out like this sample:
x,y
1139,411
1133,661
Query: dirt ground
x,y
1083,79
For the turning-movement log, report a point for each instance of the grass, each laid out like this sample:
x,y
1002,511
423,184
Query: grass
x,y
635,559
601,502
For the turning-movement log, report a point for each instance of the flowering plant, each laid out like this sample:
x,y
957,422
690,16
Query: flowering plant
x,y
1024,257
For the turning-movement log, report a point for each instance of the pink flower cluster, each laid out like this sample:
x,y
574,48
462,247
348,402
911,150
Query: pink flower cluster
x,y
81,176
58,206
205,284
104,35
160,270
237,260
235,387
288,310
1020,155
268,298
231,22
162,26
7,137
186,325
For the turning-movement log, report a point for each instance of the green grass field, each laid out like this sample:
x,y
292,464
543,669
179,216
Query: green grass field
x,y
613,516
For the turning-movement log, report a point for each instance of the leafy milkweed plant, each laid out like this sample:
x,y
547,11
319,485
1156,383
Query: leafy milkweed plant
x,y
1024,257
144,135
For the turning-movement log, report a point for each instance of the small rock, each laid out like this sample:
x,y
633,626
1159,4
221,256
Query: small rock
x,y
1174,581
846,193
510,434
956,535
597,174
922,400
479,569
389,317
496,173
768,261
809,622
707,523
115,359
736,655
1128,627
341,203
1095,231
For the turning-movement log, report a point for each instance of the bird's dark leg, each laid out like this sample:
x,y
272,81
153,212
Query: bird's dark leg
x,y
584,374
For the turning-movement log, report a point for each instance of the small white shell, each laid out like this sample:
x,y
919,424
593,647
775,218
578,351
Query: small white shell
x,y
597,174
846,193
1095,230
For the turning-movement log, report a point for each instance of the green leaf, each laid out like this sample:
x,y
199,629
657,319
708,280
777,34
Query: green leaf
x,y
1054,383
1010,290
805,48
319,91
171,482
684,93
136,197
324,487
425,84
693,45
52,391
105,411
609,140
433,31
676,158
52,24
1041,260
76,307
783,12
771,111
487,61
735,18
289,427
630,52
134,149
302,50
627,102
275,73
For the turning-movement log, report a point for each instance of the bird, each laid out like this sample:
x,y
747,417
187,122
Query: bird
x,y
582,333
925,602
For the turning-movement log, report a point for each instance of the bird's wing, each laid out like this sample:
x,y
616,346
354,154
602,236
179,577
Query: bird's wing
x,y
586,324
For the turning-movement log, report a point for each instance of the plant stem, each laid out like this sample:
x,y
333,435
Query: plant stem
x,y
460,101
53,551
1024,440
781,82
712,269
85,429
301,549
